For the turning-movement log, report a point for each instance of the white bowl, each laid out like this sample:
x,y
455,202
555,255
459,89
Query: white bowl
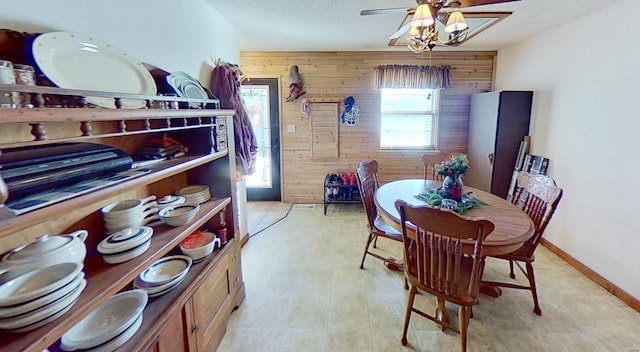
x,y
31,319
124,240
108,321
179,215
204,250
12,311
153,289
37,283
127,255
166,269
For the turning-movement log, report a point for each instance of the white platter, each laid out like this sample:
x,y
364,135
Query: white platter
x,y
12,311
166,269
108,321
41,316
75,61
119,340
37,283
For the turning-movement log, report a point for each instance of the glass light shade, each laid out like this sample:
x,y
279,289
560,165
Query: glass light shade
x,y
422,17
456,23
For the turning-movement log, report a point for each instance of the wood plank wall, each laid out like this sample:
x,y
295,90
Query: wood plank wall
x,y
336,75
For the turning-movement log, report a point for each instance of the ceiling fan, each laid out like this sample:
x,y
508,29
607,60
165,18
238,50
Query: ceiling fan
x,y
420,30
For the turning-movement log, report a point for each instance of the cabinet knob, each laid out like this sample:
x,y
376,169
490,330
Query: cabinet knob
x,y
490,159
235,284
234,257
195,328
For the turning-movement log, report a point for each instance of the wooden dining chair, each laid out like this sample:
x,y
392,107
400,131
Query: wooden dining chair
x,y
538,196
430,161
443,257
367,176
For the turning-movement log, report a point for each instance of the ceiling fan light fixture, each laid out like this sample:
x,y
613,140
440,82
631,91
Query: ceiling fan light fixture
x,y
456,23
422,17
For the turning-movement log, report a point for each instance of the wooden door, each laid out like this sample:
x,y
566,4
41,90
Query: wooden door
x,y
482,139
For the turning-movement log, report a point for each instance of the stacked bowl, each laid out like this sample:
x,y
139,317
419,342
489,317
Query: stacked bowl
x,y
130,213
164,275
30,299
179,215
109,326
195,194
125,244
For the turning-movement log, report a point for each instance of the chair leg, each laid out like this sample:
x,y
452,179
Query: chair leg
x,y
366,249
375,242
534,291
463,321
407,316
511,273
406,283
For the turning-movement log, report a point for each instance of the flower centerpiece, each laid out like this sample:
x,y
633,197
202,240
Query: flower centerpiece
x,y
452,169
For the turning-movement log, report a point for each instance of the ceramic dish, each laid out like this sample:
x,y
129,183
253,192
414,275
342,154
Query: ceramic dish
x,y
153,289
166,269
179,215
124,240
160,293
170,201
127,255
48,250
47,320
192,190
75,61
12,311
108,321
117,341
203,250
186,87
37,283
43,313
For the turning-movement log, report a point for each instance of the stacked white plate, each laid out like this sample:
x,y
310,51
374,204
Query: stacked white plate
x,y
130,213
29,300
109,326
125,244
163,275
195,194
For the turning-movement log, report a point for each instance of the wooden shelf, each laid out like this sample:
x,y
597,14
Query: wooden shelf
x,y
158,172
41,115
104,280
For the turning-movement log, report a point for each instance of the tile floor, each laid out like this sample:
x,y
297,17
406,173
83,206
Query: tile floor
x,y
261,215
306,292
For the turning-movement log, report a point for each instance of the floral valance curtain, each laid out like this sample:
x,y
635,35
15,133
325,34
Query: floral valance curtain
x,y
408,76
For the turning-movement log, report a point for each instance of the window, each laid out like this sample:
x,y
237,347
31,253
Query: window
x,y
409,118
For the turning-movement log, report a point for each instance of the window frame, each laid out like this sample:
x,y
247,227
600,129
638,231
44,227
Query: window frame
x,y
435,117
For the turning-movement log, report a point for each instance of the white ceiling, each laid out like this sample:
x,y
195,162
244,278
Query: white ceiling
x,y
336,25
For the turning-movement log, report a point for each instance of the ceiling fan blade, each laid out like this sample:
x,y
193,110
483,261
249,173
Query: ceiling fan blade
x,y
401,31
469,3
384,11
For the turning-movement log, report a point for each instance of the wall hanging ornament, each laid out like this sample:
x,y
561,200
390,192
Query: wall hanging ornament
x,y
306,108
296,84
351,114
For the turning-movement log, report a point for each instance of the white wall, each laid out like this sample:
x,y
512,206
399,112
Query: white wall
x,y
585,119
173,35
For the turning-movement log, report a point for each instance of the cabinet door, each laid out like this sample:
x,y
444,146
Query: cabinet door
x,y
482,139
173,336
210,310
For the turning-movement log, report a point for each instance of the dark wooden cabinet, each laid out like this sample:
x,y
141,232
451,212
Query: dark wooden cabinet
x,y
166,325
498,122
